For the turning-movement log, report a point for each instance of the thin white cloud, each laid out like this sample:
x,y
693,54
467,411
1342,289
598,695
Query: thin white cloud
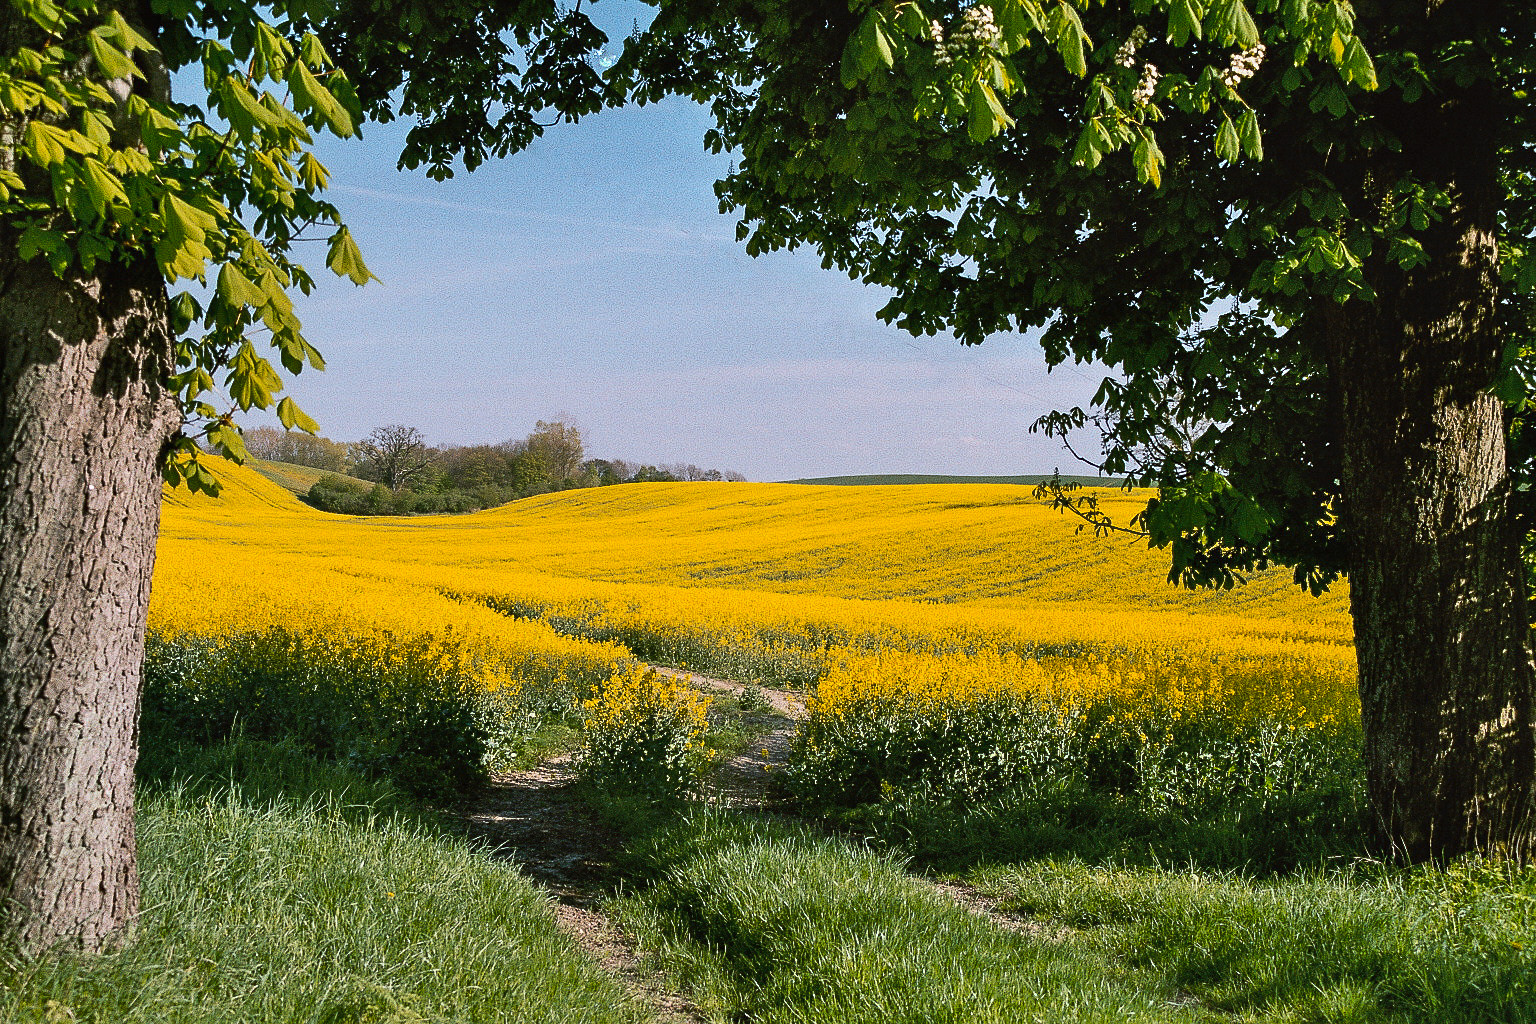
x,y
525,215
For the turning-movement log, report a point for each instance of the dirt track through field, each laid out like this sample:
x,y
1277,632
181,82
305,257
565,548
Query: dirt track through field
x,y
535,819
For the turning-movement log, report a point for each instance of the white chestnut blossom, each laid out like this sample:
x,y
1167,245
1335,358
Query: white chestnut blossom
x,y
1126,55
977,31
1244,65
1147,87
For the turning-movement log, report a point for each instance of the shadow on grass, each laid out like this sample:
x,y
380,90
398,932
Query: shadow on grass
x,y
266,772
1273,837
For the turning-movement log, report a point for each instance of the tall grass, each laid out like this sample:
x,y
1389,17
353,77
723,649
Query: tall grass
x,y
1428,946
771,924
280,889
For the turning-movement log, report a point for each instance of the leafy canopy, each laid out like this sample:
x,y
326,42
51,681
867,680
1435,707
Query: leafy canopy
x,y
110,169
1178,189
107,168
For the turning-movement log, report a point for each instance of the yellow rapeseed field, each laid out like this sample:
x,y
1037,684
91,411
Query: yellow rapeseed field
x,y
884,596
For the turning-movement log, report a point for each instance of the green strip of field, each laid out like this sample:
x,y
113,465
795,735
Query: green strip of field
x,y
298,479
930,478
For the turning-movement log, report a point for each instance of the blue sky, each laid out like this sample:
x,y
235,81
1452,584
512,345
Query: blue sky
x,y
594,276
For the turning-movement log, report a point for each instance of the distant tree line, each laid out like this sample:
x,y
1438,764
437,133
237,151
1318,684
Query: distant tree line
x,y
407,475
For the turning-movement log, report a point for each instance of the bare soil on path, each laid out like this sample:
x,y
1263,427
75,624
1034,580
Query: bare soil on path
x,y
743,780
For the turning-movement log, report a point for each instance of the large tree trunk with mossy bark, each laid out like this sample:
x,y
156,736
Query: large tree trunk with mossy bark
x,y
1437,589
84,417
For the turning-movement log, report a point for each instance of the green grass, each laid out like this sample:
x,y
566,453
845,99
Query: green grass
x,y
877,479
550,740
1362,944
771,923
280,889
1257,836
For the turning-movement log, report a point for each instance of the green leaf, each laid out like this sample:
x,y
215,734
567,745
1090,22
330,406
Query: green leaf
x,y
43,13
1249,522
1227,145
291,417
102,186
346,260
1228,22
1248,133
1071,39
1183,21
313,173
112,61
127,39
242,97
42,142
1089,150
1511,388
985,116
236,289
1358,66
160,133
312,52
184,311
37,240
1148,159
883,45
1014,21
867,49
226,437
187,219
251,379
309,94
181,257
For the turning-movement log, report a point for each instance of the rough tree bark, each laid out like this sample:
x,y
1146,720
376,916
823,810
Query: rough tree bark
x,y
1437,591
84,416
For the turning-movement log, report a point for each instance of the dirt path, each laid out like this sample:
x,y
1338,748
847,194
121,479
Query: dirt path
x,y
974,901
534,819
742,781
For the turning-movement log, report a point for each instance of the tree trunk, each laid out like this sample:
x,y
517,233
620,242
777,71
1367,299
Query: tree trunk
x,y
84,416
1437,590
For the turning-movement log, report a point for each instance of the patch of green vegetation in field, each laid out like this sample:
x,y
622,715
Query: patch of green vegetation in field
x,y
298,479
879,479
736,721
550,740
1258,836
280,889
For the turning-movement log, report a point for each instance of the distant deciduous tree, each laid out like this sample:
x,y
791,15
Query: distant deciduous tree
x,y
394,455
559,444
